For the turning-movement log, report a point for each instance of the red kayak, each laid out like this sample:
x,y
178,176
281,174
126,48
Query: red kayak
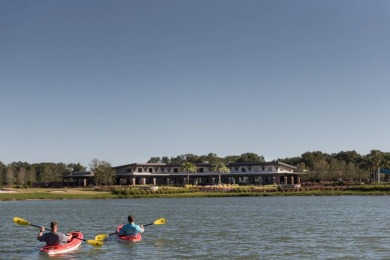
x,y
71,246
135,238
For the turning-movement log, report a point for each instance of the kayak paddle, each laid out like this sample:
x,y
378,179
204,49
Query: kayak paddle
x,y
23,222
101,237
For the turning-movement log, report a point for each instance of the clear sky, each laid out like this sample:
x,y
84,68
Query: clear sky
x,y
122,81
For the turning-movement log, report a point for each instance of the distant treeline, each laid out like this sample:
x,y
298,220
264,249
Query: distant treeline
x,y
210,158
23,174
345,166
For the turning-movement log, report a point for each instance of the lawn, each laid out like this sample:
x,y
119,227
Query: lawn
x,y
48,193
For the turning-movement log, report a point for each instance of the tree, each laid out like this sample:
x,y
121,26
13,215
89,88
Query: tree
x,y
231,158
351,172
188,167
320,169
310,157
50,173
76,167
31,176
250,158
62,170
9,177
301,167
386,160
21,176
348,156
165,159
334,170
220,168
102,172
154,160
373,161
2,173
295,161
210,158
189,157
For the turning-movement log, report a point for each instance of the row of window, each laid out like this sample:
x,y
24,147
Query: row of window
x,y
176,170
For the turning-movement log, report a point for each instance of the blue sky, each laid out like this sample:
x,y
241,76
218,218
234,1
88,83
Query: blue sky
x,y
123,81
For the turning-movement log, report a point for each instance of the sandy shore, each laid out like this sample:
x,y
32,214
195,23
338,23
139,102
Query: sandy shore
x,y
8,191
50,190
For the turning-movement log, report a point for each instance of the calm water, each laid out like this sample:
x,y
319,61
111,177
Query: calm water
x,y
207,228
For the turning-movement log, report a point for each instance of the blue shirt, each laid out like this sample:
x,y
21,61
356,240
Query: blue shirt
x,y
130,229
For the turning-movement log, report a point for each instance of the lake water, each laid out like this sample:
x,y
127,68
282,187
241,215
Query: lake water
x,y
347,227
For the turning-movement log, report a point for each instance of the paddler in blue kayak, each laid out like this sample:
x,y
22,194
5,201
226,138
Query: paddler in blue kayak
x,y
54,237
131,229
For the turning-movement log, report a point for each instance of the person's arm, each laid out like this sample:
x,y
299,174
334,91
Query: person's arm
x,y
122,231
140,228
40,234
68,236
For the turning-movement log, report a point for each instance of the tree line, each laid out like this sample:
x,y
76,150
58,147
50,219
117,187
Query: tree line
x,y
23,174
345,165
209,158
318,166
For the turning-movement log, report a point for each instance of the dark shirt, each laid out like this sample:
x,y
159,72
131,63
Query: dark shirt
x,y
53,239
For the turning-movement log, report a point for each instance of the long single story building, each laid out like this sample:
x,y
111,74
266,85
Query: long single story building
x,y
170,174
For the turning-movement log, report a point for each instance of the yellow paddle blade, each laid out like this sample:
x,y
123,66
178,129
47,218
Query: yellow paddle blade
x,y
160,221
101,237
95,243
21,221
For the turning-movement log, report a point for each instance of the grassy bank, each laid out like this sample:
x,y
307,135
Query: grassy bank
x,y
250,191
189,192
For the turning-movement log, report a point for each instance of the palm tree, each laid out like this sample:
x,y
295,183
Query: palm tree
x,y
188,167
220,168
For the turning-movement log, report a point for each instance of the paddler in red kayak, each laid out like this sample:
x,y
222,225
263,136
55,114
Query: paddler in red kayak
x,y
131,229
54,237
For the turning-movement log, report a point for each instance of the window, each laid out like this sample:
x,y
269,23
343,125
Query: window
x,y
150,170
269,169
139,169
175,170
200,170
128,170
243,169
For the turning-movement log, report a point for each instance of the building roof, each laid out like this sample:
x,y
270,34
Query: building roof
x,y
205,164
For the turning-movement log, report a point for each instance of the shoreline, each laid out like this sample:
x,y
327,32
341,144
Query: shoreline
x,y
79,193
